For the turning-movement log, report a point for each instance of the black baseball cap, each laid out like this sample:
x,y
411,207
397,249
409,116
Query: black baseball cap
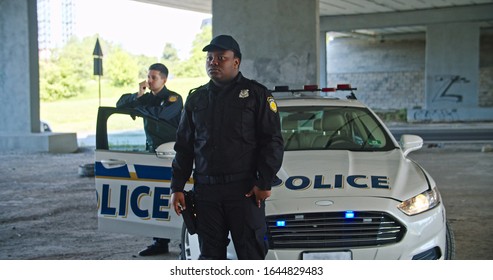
x,y
224,42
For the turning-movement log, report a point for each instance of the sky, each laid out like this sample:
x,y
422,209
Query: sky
x,y
139,28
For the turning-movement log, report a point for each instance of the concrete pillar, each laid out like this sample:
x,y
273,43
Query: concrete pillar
x,y
19,86
19,83
452,65
279,39
323,60
452,75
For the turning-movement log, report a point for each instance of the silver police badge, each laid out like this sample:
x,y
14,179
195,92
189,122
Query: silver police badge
x,y
244,93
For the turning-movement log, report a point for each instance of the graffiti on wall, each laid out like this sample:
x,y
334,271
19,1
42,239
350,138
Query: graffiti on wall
x,y
444,90
445,115
447,88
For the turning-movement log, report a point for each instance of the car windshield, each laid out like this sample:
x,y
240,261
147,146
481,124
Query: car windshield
x,y
332,128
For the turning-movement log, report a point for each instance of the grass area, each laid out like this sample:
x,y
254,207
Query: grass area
x,y
79,114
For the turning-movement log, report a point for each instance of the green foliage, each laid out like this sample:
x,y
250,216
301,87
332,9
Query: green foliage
x,y
201,40
195,65
170,53
143,62
79,114
170,59
64,74
122,69
50,81
69,71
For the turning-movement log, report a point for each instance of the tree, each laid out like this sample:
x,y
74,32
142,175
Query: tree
x,y
63,75
122,68
194,66
53,85
170,58
170,54
66,73
143,63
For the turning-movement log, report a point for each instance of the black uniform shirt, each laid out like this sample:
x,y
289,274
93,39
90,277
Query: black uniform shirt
x,y
165,105
227,131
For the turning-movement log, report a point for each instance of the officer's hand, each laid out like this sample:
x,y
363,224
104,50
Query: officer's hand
x,y
142,87
178,202
260,195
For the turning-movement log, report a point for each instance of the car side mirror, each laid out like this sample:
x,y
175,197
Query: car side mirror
x,y
410,143
166,150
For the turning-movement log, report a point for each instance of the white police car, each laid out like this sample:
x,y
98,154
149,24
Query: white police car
x,y
346,189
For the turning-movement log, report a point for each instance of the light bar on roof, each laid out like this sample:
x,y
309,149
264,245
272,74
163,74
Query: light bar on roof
x,y
328,89
310,87
345,87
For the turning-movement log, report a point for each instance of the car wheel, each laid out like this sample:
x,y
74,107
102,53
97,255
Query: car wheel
x,y
450,243
189,245
184,242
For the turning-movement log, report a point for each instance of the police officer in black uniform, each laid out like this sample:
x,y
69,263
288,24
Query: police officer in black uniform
x,y
158,103
230,129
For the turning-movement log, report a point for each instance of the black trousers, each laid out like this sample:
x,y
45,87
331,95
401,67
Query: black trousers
x,y
224,208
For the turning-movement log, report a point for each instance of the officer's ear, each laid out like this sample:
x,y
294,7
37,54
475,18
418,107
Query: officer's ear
x,y
164,78
237,62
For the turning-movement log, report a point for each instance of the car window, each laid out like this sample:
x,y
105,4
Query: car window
x,y
126,130
126,133
332,128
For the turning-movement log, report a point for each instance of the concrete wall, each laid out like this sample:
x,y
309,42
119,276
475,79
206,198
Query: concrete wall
x,y
278,38
452,65
390,74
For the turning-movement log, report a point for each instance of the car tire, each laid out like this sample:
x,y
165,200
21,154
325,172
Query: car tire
x,y
450,243
185,244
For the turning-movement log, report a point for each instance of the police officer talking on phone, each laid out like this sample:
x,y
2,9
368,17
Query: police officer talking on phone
x,y
158,103
230,129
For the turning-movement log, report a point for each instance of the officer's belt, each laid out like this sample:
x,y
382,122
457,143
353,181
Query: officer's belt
x,y
221,179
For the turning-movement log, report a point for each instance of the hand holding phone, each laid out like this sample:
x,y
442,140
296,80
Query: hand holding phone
x,y
142,88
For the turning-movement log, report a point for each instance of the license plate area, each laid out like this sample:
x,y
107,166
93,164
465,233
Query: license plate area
x,y
338,255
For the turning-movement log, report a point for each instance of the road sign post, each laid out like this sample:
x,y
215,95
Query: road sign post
x,y
98,65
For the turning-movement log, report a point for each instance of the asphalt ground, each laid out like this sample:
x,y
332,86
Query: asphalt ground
x,y
48,211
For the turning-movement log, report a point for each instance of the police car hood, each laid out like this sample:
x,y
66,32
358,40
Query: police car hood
x,y
307,174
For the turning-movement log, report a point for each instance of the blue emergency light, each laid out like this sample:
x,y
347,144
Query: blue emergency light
x,y
281,223
349,214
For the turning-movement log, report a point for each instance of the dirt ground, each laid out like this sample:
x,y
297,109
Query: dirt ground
x,y
48,211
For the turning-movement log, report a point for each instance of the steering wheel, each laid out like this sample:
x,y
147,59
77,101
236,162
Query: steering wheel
x,y
340,141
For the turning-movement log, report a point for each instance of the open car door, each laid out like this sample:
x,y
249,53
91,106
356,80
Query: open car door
x,y
133,180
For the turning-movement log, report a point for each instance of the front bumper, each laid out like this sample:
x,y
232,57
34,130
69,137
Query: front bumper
x,y
425,233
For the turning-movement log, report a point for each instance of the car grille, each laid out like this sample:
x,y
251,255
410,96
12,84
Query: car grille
x,y
333,230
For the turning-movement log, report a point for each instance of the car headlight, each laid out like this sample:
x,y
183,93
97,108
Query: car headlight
x,y
422,202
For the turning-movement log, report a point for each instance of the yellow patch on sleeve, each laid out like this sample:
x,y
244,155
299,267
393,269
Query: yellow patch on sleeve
x,y
172,99
272,104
